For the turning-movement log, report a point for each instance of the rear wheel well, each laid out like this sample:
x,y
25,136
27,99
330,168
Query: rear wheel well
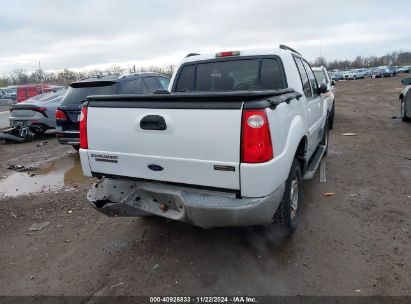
x,y
300,154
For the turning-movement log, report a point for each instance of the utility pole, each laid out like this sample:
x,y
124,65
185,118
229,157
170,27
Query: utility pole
x,y
321,42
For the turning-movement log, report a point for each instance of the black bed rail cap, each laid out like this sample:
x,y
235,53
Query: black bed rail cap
x,y
206,100
197,96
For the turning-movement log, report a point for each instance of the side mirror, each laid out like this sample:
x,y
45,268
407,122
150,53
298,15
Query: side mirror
x,y
333,82
323,88
406,81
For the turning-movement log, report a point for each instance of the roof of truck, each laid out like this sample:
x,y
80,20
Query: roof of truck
x,y
247,52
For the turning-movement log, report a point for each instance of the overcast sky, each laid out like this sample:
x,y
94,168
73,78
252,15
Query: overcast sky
x,y
99,33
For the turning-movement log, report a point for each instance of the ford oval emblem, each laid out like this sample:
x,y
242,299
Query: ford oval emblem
x,y
155,167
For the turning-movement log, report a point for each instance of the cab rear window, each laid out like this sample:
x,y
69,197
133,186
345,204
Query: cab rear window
x,y
79,93
232,75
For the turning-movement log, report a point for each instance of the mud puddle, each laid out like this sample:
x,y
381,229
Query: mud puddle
x,y
51,176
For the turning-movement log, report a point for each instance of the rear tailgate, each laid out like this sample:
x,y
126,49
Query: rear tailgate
x,y
199,146
199,143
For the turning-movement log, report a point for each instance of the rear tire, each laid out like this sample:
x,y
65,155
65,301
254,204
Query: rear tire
x,y
331,118
37,131
289,210
76,147
326,134
404,112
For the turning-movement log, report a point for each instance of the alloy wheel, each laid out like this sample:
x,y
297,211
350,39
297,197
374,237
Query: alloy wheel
x,y
294,197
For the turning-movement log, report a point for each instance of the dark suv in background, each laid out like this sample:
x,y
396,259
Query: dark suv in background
x,y
67,114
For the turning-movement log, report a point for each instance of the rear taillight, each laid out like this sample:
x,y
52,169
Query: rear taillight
x,y
256,144
41,110
60,115
35,109
83,129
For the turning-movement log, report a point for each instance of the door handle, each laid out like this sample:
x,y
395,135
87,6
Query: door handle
x,y
153,122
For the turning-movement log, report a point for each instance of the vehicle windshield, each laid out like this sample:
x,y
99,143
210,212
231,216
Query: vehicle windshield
x,y
52,95
232,75
320,76
78,95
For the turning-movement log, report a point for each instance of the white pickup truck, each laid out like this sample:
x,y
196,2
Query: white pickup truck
x,y
228,145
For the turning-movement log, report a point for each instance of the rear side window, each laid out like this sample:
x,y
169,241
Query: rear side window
x,y
186,79
232,75
313,80
131,87
304,78
77,95
164,82
271,75
320,76
150,84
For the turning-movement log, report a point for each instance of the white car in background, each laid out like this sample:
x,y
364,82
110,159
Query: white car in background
x,y
322,76
8,93
355,74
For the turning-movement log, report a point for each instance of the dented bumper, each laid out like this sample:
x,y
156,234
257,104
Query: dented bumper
x,y
203,208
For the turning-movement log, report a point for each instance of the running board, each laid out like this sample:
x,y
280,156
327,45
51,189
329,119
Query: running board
x,y
314,163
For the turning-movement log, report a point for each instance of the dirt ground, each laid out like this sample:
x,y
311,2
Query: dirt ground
x,y
357,242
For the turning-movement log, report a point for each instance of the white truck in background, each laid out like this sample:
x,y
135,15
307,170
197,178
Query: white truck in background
x,y
228,145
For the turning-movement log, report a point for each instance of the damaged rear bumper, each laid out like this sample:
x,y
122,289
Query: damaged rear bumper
x,y
203,208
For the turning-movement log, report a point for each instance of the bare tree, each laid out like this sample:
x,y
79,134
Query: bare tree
x,y
37,77
18,76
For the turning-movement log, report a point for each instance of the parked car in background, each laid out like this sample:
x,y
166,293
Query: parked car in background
x,y
8,93
38,113
382,72
367,73
322,76
67,114
407,69
30,90
345,73
393,71
337,76
354,74
405,99
3,94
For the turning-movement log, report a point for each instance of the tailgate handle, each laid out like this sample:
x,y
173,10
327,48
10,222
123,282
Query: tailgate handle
x,y
153,122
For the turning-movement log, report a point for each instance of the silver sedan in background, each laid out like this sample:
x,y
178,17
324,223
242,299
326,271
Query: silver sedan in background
x,y
38,113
